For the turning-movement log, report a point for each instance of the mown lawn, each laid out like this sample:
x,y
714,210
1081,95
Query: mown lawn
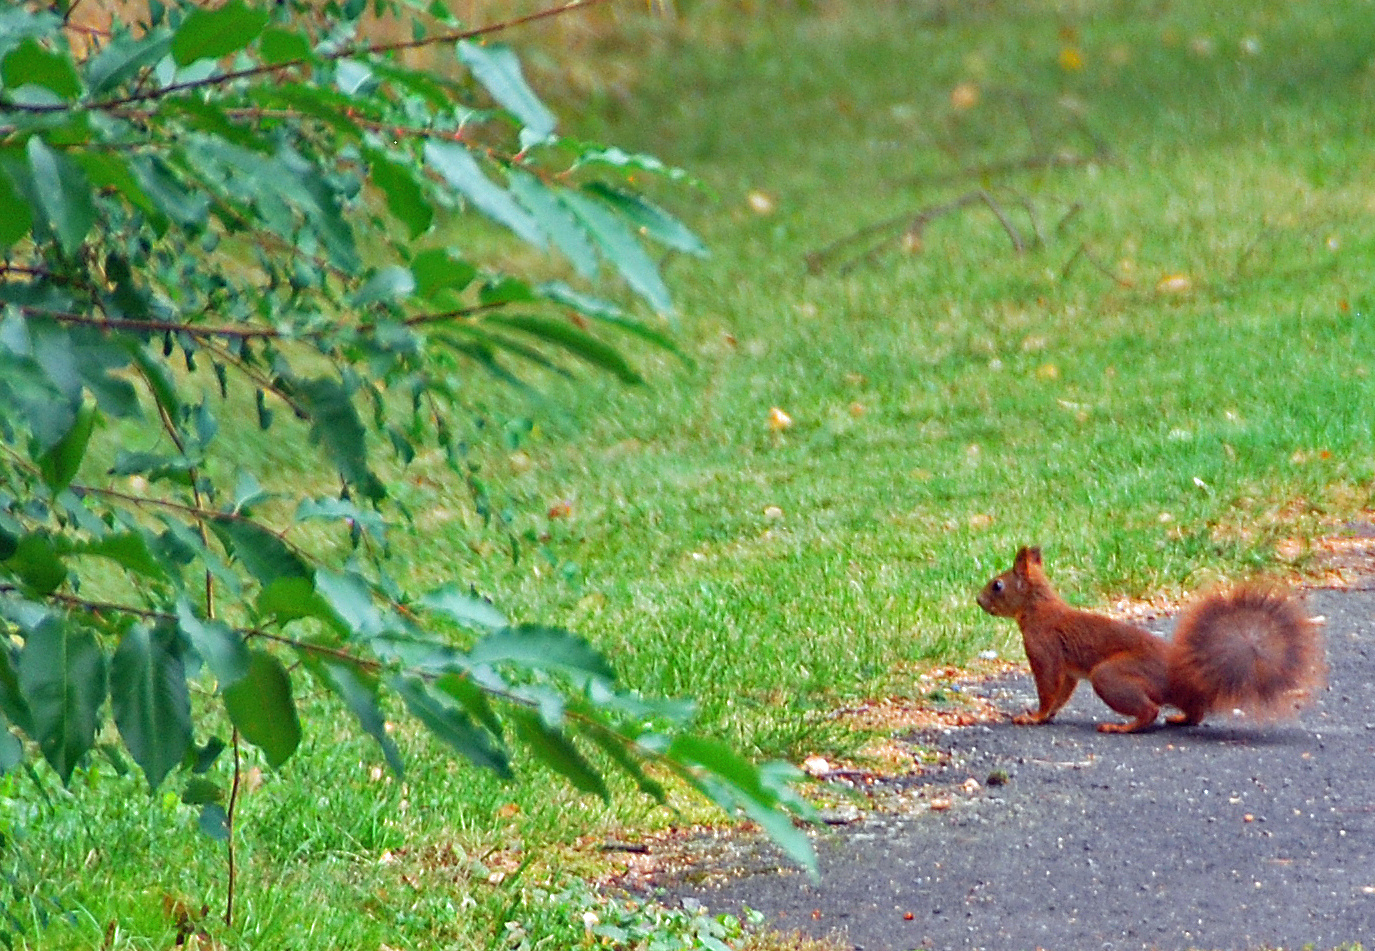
x,y
1169,383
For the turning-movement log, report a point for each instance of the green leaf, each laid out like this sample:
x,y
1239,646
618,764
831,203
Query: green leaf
x,y
260,705
405,198
214,821
542,648
11,749
608,313
363,518
453,726
59,464
650,219
129,550
553,748
614,157
358,690
498,69
151,705
30,63
167,192
456,165
62,677
12,704
64,194
16,219
436,269
220,647
621,249
279,46
265,556
351,602
390,283
467,609
208,33
471,697
201,790
291,598
733,783
121,58
571,339
36,565
615,747
556,221
334,423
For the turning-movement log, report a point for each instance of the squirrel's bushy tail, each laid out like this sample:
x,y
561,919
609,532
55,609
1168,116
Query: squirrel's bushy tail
x,y
1252,647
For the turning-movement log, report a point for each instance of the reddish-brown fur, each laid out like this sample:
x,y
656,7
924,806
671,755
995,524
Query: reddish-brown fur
x,y
1251,647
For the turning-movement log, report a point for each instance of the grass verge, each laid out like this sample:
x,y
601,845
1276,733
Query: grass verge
x,y
1170,383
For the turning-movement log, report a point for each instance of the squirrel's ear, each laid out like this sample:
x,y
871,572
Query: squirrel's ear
x,y
1027,557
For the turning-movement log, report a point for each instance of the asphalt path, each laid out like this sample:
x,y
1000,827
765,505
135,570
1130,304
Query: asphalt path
x,y
1231,835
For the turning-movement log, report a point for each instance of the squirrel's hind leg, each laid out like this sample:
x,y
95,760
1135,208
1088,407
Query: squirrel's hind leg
x,y
1127,689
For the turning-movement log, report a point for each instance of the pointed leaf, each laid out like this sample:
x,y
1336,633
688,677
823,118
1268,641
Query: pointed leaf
x,y
358,690
351,602
619,751
437,269
12,704
212,33
334,423
453,726
392,283
129,550
16,219
35,563
265,556
542,648
456,165
650,219
292,598
11,749
214,821
30,63
62,676
64,194
573,340
151,705
283,46
59,464
498,69
470,697
220,647
467,609
556,221
553,748
260,705
405,198
619,246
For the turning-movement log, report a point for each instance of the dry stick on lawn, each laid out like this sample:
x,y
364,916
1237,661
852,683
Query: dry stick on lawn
x,y
912,227
1083,252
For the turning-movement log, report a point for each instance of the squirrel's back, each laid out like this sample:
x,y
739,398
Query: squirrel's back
x,y
1252,646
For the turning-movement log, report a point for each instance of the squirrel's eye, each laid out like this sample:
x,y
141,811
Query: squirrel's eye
x,y
997,586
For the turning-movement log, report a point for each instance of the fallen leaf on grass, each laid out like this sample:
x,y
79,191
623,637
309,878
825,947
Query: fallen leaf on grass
x,y
1174,284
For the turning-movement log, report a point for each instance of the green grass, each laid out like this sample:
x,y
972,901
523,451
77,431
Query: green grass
x,y
948,405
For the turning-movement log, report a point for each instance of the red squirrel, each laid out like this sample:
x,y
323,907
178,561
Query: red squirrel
x,y
1251,646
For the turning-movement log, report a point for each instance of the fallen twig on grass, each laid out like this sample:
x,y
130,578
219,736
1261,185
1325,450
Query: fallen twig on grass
x,y
1083,252
908,228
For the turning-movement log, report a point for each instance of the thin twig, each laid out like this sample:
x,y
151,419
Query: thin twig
x,y
914,225
229,811
1083,252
